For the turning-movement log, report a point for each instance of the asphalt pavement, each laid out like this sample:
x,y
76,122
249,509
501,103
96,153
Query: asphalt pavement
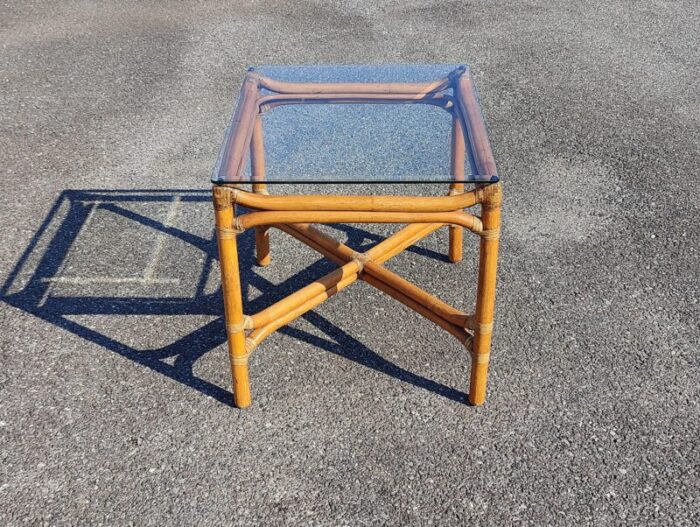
x,y
115,401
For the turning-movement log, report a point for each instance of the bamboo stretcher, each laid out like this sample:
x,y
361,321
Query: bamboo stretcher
x,y
296,215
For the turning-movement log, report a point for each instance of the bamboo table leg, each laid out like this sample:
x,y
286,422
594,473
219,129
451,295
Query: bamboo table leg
x,y
257,163
457,168
231,288
485,293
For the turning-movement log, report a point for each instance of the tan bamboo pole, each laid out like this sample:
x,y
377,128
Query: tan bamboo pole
x,y
362,98
315,288
457,188
257,169
239,132
255,219
393,245
440,100
357,203
231,289
341,253
426,230
349,87
443,103
400,241
476,129
328,281
258,335
485,293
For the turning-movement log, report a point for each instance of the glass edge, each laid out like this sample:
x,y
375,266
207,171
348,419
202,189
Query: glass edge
x,y
466,70
454,65
491,180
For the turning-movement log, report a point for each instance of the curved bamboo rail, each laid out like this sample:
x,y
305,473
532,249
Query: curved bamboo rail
x,y
283,87
409,204
240,131
475,126
256,219
266,104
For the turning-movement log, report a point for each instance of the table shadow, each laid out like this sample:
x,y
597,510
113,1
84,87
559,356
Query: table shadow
x,y
45,266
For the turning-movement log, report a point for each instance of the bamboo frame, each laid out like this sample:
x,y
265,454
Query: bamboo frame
x,y
295,214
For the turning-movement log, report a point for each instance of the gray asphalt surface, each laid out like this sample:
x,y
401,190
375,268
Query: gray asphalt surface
x,y
114,392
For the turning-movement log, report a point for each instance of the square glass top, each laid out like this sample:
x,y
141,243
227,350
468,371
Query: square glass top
x,y
357,124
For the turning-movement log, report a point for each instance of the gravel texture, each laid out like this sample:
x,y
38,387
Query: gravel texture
x,y
114,385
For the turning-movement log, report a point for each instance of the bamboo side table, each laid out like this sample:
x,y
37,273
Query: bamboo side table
x,y
368,94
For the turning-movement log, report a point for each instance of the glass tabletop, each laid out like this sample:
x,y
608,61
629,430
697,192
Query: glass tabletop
x,y
357,124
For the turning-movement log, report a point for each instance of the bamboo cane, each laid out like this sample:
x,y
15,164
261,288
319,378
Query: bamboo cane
x,y
348,87
316,203
260,334
475,127
418,234
239,132
257,169
457,188
393,245
231,289
439,100
254,219
485,295
331,255
432,303
317,287
384,280
462,335
380,254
